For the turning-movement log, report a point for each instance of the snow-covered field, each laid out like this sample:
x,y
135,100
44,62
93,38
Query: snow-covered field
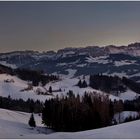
x,y
14,124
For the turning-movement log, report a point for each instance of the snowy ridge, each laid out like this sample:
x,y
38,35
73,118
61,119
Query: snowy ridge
x,y
100,60
8,65
123,62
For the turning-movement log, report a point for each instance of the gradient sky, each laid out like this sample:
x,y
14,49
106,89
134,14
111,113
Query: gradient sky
x,y
53,25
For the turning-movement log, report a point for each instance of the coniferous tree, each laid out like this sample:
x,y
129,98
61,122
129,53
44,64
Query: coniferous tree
x,y
50,89
79,83
84,84
32,122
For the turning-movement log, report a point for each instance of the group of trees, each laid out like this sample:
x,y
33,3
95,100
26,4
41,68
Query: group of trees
x,y
113,84
75,113
21,105
82,84
35,77
131,84
109,84
132,105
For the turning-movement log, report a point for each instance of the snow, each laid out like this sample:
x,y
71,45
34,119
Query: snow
x,y
128,130
8,65
66,83
128,95
14,89
99,60
14,124
71,72
61,64
68,53
81,65
121,74
120,117
137,74
73,63
123,62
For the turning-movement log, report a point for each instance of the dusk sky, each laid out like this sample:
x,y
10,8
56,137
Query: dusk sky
x,y
44,26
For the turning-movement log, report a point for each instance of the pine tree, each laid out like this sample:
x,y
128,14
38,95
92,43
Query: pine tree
x,y
50,89
84,84
79,83
32,122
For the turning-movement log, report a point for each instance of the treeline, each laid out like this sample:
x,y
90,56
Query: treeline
x,y
112,84
21,105
131,84
75,113
109,84
35,77
133,105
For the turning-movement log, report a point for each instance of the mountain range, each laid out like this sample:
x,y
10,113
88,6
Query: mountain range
x,y
110,60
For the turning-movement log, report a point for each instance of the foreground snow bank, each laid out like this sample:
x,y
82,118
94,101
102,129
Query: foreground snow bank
x,y
14,124
121,131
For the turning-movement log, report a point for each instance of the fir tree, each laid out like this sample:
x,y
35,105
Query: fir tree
x,y
79,84
84,84
50,89
32,122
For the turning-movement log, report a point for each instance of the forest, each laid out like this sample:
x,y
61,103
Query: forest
x,y
75,113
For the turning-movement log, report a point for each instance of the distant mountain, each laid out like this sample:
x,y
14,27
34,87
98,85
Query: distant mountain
x,y
112,60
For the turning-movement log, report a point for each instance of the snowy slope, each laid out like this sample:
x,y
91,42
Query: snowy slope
x,y
14,89
14,124
128,95
126,130
65,84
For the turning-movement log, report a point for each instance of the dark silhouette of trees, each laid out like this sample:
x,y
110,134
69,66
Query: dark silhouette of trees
x,y
21,105
35,76
73,113
32,122
109,84
79,84
82,84
131,84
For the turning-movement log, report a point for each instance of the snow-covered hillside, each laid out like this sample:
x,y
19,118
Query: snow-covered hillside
x,y
13,86
14,124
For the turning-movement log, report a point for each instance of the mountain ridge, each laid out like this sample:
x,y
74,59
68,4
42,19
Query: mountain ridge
x,y
111,60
